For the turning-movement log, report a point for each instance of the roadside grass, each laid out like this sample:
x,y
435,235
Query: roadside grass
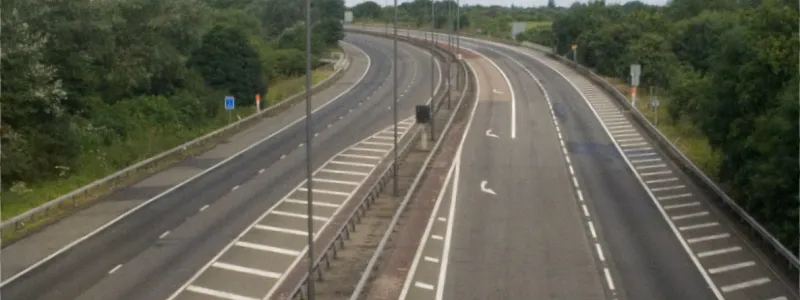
x,y
538,25
682,133
137,148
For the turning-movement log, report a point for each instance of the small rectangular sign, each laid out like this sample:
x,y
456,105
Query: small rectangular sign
x,y
229,103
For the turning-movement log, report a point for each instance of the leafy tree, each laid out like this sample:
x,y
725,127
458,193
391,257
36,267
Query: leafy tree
x,y
367,10
228,62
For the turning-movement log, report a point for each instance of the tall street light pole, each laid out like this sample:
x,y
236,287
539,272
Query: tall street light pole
x,y
433,66
458,38
449,46
394,104
309,181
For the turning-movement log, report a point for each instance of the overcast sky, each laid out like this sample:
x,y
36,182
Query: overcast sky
x,y
565,3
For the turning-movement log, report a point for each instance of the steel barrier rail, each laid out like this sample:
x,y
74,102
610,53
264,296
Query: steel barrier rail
x,y
110,182
332,247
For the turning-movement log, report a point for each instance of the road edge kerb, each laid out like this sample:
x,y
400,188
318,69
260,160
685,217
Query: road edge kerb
x,y
54,210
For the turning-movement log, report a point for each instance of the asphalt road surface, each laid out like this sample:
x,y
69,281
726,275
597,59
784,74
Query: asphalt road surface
x,y
656,235
151,253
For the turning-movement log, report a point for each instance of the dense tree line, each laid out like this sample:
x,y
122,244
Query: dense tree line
x,y
730,68
82,77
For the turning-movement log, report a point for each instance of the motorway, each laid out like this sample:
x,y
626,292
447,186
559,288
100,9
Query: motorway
x,y
157,250
510,227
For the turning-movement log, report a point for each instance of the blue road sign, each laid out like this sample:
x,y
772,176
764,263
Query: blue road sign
x,y
229,103
654,103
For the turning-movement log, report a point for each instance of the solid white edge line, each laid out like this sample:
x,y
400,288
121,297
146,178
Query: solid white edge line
x,y
217,293
423,239
454,191
675,231
255,224
510,88
190,179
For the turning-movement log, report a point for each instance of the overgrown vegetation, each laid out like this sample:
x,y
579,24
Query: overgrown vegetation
x,y
725,72
90,87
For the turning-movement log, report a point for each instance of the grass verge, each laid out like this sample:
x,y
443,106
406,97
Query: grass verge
x,y
143,145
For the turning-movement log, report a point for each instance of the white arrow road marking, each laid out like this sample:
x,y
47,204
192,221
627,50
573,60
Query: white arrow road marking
x,y
485,189
489,133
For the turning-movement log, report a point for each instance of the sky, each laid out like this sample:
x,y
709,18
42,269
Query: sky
x,y
564,3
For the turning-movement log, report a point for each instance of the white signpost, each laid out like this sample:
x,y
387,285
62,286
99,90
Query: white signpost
x,y
636,70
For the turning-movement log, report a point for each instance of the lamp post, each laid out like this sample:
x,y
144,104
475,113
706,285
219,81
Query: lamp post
x,y
309,181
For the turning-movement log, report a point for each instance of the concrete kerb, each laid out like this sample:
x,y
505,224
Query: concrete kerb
x,y
343,233
37,218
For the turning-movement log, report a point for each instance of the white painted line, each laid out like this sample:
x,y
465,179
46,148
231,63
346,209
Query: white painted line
x,y
163,234
283,156
329,192
383,137
246,270
571,171
204,207
731,267
645,167
585,210
423,285
378,143
620,126
260,171
668,188
115,269
329,125
692,215
626,135
316,133
353,183
362,156
591,229
300,216
281,230
617,123
656,173
267,248
708,238
630,140
719,252
437,237
344,172
637,149
316,202
347,163
661,180
301,145
442,219
235,188
744,285
218,294
638,161
698,226
368,149
608,278
642,154
779,298
432,259
599,252
674,206
634,144
623,131
580,195
674,196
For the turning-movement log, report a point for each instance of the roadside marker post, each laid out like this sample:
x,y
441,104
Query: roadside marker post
x,y
636,70
230,104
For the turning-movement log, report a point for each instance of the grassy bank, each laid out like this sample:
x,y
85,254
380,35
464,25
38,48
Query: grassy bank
x,y
137,147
